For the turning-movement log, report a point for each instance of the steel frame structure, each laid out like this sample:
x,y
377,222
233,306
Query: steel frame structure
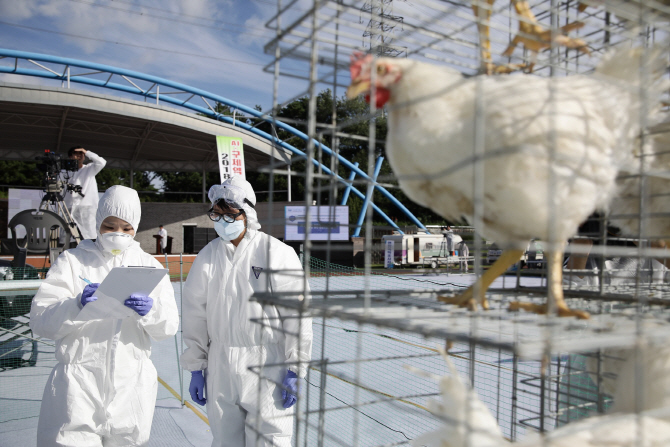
x,y
180,95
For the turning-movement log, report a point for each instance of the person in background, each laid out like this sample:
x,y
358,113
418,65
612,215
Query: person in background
x,y
463,254
102,391
581,267
162,232
222,332
83,206
448,234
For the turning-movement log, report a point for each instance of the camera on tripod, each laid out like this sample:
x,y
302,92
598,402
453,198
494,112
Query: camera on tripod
x,y
51,165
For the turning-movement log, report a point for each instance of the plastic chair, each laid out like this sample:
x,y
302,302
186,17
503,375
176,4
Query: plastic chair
x,y
44,230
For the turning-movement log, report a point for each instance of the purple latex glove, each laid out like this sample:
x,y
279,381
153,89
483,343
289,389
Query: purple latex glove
x,y
290,383
139,303
197,387
87,294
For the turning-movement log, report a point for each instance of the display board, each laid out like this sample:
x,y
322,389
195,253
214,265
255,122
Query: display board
x,y
327,223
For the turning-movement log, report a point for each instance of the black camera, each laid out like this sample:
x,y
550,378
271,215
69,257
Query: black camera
x,y
51,164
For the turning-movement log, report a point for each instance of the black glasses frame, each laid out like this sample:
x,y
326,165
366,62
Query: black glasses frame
x,y
227,217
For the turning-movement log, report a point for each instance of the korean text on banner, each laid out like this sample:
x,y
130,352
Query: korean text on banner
x,y
388,254
231,157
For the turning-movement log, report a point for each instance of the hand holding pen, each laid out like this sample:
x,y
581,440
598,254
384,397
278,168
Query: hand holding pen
x,y
89,290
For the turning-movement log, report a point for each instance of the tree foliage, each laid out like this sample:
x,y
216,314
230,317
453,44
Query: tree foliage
x,y
354,113
24,174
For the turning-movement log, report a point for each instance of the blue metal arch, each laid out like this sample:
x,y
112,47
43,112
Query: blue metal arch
x,y
131,87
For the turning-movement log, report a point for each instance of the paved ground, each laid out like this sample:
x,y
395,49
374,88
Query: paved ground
x,y
378,423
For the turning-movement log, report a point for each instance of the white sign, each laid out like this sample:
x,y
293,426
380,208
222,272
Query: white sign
x,y
326,223
388,254
231,157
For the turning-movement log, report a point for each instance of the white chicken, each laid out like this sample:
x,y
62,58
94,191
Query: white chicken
x,y
467,420
469,423
632,390
648,388
550,149
655,166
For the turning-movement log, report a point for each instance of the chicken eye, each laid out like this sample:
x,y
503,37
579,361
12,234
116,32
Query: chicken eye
x,y
381,69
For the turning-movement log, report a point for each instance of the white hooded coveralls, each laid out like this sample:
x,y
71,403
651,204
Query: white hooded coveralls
x,y
222,341
102,391
163,234
84,209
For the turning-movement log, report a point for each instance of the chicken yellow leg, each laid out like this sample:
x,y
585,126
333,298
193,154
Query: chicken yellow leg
x,y
468,298
555,298
536,38
483,15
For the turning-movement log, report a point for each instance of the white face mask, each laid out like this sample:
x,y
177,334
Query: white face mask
x,y
115,243
229,231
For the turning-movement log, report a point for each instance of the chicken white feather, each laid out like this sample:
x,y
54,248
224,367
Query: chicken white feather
x,y
469,423
467,420
654,166
638,379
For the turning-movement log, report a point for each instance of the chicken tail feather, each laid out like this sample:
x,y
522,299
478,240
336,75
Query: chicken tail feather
x,y
628,64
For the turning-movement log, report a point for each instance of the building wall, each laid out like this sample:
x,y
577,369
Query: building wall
x,y
173,216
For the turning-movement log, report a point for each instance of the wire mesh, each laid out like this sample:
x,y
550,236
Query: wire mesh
x,y
534,373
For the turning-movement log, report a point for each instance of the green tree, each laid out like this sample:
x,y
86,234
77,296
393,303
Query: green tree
x,y
19,174
109,177
355,111
188,183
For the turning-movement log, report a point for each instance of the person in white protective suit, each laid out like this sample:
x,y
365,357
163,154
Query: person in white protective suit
x,y
83,206
221,339
102,391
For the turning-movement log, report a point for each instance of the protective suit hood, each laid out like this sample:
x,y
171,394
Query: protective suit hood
x,y
239,194
122,202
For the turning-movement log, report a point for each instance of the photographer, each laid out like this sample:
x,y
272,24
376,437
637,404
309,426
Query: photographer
x,y
83,209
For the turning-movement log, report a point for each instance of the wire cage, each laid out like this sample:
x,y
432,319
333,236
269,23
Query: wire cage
x,y
374,378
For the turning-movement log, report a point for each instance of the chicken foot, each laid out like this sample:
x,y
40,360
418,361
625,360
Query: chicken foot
x,y
536,38
483,15
555,298
468,298
531,35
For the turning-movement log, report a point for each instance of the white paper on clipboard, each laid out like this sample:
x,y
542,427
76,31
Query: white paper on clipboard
x,y
118,285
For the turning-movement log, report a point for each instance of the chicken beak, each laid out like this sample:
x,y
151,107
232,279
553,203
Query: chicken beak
x,y
358,87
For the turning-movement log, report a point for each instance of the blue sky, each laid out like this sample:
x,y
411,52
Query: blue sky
x,y
215,45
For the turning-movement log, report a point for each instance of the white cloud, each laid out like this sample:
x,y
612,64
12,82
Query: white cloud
x,y
18,10
107,24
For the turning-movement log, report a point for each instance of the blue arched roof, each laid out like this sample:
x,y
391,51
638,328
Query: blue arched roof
x,y
105,76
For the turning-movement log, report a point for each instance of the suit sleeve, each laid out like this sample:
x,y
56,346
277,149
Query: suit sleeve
x,y
57,302
162,321
97,162
194,311
298,329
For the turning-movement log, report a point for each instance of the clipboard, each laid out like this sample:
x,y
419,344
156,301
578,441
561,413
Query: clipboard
x,y
117,286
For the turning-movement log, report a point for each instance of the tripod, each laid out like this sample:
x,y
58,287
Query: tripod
x,y
53,201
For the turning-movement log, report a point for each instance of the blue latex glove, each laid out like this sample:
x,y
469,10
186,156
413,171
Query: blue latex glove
x,y
197,387
87,294
290,383
139,303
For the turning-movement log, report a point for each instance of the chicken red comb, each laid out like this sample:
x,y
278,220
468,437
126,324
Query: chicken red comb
x,y
357,61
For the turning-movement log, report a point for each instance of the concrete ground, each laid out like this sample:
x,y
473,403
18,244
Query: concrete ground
x,y
382,423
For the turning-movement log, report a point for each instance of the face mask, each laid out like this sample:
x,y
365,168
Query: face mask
x,y
229,231
115,243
